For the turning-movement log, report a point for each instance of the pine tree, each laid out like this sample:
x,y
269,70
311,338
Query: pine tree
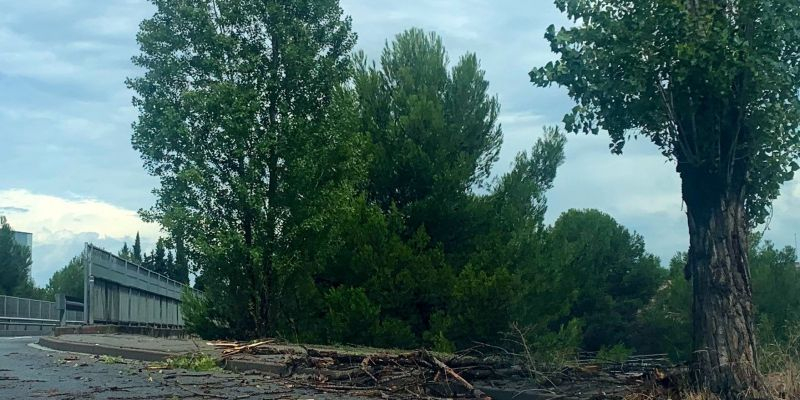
x,y
125,253
137,250
169,266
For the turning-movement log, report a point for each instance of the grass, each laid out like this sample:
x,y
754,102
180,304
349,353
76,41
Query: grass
x,y
194,362
779,362
111,360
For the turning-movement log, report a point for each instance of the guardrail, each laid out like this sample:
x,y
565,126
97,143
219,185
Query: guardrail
x,y
15,326
22,308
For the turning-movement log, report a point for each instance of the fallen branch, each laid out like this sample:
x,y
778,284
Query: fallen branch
x,y
453,374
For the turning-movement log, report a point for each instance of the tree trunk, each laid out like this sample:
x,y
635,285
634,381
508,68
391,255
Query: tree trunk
x,y
724,360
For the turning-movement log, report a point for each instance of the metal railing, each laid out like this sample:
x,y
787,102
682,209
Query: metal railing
x,y
37,311
632,363
119,292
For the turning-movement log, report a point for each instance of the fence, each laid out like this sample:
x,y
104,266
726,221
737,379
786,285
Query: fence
x,y
120,292
632,363
16,307
19,316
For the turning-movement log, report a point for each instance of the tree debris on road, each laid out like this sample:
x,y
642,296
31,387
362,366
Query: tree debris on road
x,y
424,374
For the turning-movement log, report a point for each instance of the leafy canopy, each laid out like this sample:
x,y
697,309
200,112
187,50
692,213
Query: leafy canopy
x,y
243,116
714,84
68,280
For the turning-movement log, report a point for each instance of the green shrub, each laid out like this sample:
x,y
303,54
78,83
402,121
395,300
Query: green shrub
x,y
618,353
393,332
199,316
351,317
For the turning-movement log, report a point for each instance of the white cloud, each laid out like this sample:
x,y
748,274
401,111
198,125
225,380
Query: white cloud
x,y
50,218
60,226
23,57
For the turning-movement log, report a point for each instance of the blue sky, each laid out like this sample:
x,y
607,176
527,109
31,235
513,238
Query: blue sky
x,y
69,174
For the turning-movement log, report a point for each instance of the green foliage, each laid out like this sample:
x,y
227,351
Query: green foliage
x,y
15,263
665,324
198,362
393,238
68,280
614,354
201,317
168,258
547,347
606,272
106,359
351,316
136,251
713,84
776,290
252,138
157,260
481,306
433,129
394,333
125,253
781,356
421,242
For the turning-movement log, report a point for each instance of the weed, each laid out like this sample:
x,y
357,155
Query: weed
x,y
192,362
111,360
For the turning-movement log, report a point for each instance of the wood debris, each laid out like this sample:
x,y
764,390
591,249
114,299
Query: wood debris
x,y
231,348
423,374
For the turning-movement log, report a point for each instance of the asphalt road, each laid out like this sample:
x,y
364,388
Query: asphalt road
x,y
28,372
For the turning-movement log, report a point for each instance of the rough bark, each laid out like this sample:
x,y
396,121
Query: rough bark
x,y
724,358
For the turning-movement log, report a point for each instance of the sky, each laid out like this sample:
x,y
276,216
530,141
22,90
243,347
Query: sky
x,y
68,173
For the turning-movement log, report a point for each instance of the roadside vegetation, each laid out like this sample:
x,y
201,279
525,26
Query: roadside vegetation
x,y
325,197
321,196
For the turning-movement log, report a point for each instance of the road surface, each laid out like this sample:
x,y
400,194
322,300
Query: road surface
x,y
31,372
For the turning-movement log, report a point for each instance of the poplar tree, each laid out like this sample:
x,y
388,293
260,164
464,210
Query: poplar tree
x,y
241,113
714,84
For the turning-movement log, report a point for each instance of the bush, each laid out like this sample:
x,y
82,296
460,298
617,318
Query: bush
x,y
393,332
618,353
199,316
481,306
352,318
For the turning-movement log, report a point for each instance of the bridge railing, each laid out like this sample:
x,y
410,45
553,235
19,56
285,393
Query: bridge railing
x,y
30,309
29,317
120,292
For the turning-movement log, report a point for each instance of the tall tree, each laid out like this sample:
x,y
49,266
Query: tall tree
x,y
136,252
243,115
169,266
15,262
433,129
714,84
156,261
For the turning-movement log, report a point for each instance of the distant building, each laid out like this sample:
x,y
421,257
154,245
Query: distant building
x,y
24,238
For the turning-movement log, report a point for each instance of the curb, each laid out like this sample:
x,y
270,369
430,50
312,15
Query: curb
x,y
133,354
273,369
119,329
234,365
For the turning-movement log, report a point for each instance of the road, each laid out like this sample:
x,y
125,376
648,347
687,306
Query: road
x,y
28,372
